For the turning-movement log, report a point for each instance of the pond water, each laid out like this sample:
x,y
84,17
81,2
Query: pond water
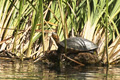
x,y
28,70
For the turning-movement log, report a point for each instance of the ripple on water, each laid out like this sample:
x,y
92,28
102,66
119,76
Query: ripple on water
x,y
29,71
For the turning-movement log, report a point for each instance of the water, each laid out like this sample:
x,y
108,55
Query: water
x,y
28,70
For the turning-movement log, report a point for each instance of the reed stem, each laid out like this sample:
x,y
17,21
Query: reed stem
x,y
106,38
42,23
63,22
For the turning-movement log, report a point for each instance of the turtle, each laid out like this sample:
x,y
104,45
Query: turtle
x,y
74,45
79,50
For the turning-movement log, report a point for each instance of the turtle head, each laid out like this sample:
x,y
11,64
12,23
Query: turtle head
x,y
55,37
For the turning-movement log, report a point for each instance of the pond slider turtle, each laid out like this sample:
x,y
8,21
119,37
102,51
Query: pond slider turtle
x,y
75,45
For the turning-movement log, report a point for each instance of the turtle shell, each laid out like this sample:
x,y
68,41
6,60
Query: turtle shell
x,y
79,44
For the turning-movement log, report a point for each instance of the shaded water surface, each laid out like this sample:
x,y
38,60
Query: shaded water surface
x,y
10,70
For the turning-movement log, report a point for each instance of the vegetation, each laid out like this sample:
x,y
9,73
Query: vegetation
x,y
25,24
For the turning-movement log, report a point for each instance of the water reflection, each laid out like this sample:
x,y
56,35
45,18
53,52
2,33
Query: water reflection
x,y
29,71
